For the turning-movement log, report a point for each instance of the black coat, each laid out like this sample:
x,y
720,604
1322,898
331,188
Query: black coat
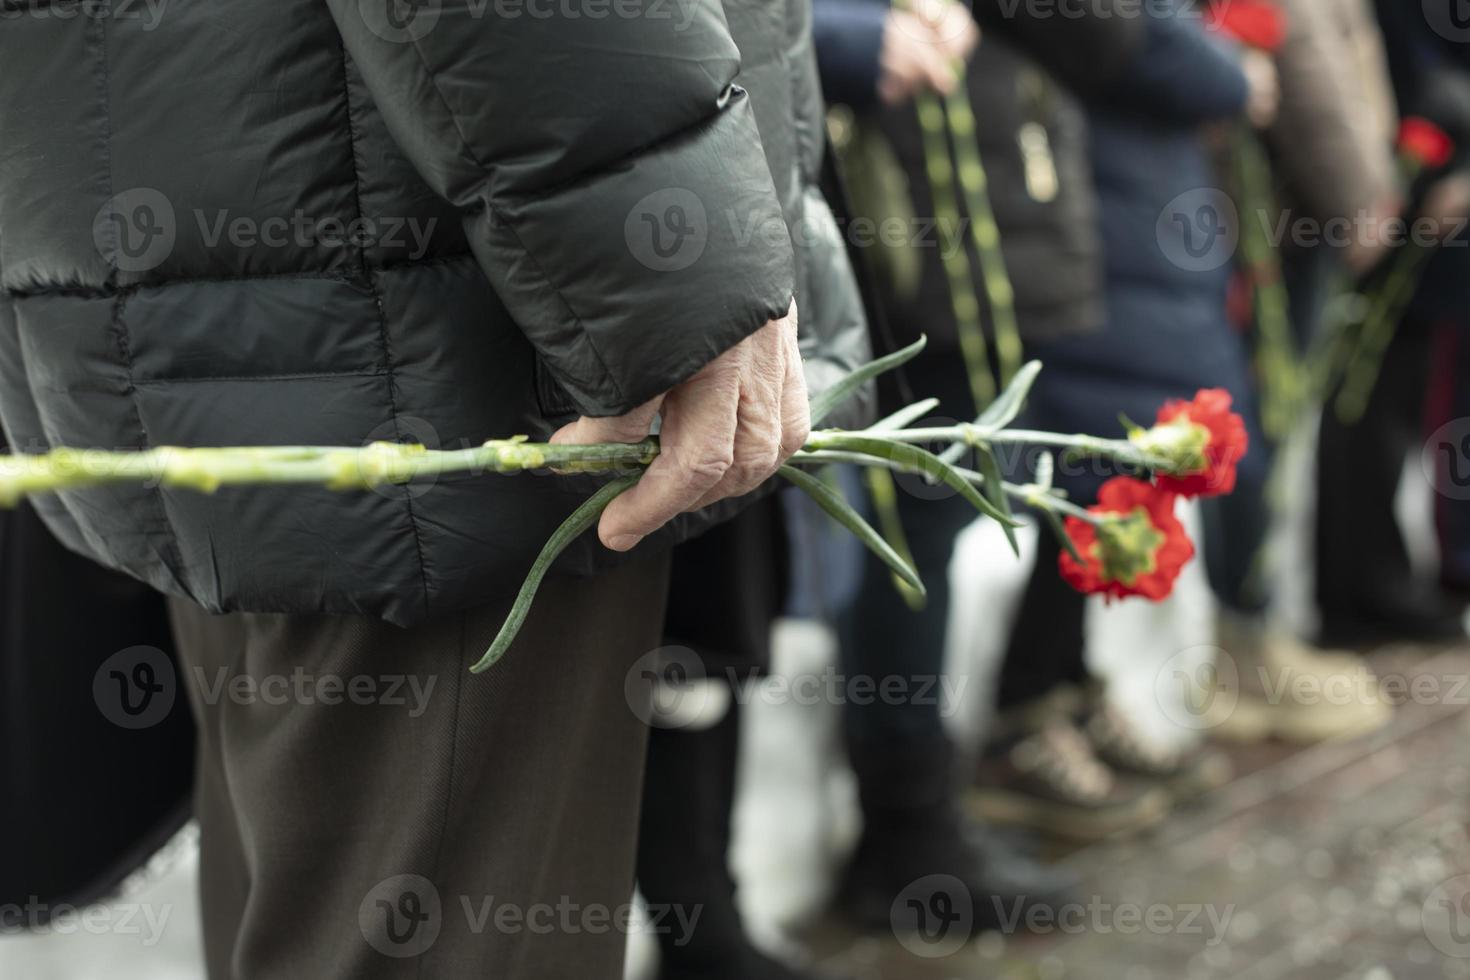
x,y
245,223
1026,77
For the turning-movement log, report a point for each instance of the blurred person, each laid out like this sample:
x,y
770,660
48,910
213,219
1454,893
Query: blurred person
x,y
1329,147
329,833
1062,755
726,589
1366,588
78,742
1032,139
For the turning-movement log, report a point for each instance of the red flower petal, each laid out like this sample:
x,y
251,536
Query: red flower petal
x,y
1425,142
1227,446
1255,23
1124,495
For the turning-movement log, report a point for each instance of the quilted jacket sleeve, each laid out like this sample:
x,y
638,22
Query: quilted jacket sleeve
x,y
611,176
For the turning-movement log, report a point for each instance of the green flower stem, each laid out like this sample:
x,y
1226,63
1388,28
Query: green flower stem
x,y
968,433
885,447
1377,330
1280,369
337,468
1031,494
985,232
939,168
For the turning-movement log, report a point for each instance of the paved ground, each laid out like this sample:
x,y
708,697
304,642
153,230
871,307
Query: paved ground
x,y
1343,861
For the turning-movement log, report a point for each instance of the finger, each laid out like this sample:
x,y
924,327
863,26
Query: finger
x,y
902,73
757,446
796,409
630,427
894,91
939,74
957,32
696,451
969,38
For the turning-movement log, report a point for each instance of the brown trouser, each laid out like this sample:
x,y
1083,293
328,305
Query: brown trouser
x,y
369,809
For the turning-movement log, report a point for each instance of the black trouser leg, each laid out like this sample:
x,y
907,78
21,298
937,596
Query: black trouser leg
x,y
684,840
1362,561
1047,645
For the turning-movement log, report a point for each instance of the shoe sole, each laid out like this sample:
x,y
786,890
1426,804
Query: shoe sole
x,y
1072,823
1255,720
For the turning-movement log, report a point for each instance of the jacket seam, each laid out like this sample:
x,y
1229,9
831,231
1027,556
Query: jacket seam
x,y
288,376
366,271
169,542
110,289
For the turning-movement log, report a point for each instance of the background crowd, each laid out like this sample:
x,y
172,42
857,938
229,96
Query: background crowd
x,y
1111,138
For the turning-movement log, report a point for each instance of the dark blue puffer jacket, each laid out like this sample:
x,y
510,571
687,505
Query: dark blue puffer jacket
x,y
1164,220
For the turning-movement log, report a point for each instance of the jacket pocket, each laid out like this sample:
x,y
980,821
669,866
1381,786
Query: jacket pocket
x,y
551,398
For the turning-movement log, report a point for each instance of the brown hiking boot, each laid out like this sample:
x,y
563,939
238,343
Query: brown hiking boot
x,y
1185,772
1275,686
1042,773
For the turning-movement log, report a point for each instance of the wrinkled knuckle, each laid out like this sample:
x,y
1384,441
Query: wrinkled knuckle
x,y
748,472
709,469
759,466
796,434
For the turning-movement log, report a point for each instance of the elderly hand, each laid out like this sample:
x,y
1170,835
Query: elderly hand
x,y
724,432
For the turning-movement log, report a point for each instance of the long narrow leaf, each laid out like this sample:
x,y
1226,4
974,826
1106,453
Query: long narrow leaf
x,y
1001,412
995,491
1060,528
572,528
843,389
905,417
842,512
1008,404
914,460
883,493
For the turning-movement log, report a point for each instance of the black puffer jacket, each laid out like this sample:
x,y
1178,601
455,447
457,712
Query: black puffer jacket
x,y
228,222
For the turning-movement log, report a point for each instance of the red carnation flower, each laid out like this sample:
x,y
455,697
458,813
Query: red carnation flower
x,y
1138,548
1254,23
1205,440
1425,143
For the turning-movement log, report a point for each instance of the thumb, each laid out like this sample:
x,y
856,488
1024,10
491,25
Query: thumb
x,y
629,427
